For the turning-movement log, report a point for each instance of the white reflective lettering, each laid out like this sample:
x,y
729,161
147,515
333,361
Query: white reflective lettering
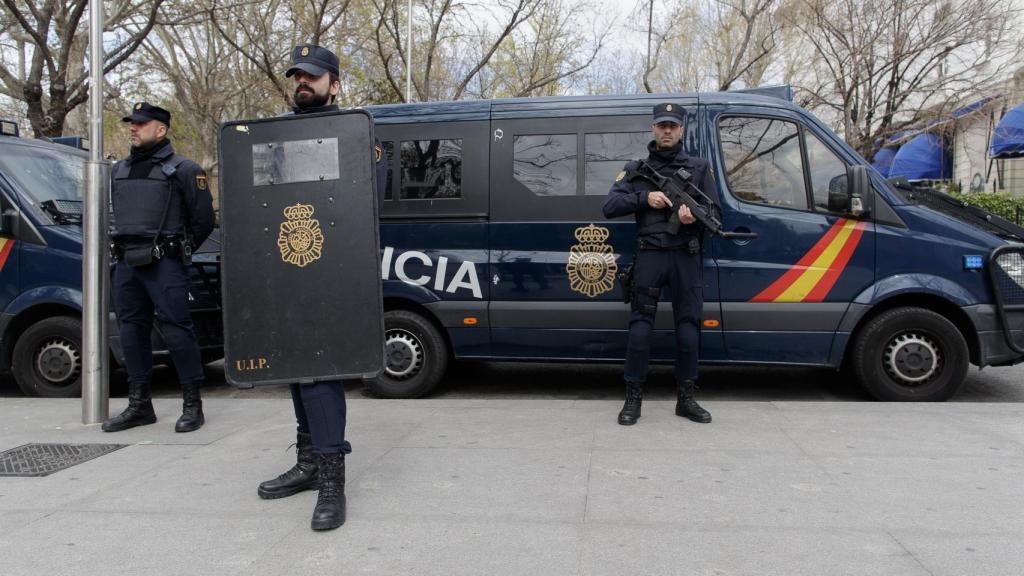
x,y
466,278
385,263
400,267
442,269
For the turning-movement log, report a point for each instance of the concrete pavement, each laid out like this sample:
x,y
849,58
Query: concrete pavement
x,y
532,487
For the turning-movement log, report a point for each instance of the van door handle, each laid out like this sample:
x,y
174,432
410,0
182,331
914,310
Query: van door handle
x,y
742,234
739,235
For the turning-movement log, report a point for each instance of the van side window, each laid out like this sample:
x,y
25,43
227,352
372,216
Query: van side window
x,y
546,163
431,169
389,155
606,154
762,160
828,172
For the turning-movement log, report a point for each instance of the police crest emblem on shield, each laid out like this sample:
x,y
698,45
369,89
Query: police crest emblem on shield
x,y
300,240
592,265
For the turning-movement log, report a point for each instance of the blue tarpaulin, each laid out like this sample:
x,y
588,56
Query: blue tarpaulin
x,y
923,158
883,160
1008,137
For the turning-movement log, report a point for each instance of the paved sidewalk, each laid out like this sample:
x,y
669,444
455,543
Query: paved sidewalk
x,y
532,487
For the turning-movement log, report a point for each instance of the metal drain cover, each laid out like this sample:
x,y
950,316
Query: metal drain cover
x,y
45,459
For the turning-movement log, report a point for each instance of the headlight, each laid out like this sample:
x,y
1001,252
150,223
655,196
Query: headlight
x,y
1012,265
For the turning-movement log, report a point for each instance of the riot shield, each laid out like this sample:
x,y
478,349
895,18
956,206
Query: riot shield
x,y
300,260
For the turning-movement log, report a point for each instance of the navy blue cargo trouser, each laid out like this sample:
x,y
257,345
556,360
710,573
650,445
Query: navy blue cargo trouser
x,y
160,287
683,274
320,411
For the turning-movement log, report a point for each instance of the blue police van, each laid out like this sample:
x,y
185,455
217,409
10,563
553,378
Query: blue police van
x,y
494,246
41,190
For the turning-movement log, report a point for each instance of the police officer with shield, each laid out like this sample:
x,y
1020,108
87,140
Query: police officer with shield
x,y
162,211
664,258
320,408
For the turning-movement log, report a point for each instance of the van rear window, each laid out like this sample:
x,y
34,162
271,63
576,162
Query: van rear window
x,y
606,155
431,169
546,163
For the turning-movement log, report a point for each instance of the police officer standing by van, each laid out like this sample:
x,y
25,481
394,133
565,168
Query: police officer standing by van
x,y
663,259
320,408
162,212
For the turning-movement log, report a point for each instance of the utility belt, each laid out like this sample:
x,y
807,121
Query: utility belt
x,y
630,290
692,246
138,251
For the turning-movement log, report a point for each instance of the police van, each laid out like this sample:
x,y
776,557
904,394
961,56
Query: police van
x,y
41,190
494,246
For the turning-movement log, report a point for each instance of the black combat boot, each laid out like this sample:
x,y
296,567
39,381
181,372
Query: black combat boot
x,y
687,407
631,409
302,476
191,409
138,413
330,504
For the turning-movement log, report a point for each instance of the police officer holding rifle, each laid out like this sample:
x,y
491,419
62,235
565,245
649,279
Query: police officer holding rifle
x,y
669,253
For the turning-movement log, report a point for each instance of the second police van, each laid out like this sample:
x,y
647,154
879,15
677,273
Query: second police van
x,y
494,246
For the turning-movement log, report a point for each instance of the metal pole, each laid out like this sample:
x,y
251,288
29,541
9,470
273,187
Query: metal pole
x,y
95,266
408,57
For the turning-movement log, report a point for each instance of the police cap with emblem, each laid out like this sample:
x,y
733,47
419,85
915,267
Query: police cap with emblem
x,y
144,112
312,59
668,113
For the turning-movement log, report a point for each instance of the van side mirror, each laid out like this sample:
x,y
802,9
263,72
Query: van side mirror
x,y
7,221
858,184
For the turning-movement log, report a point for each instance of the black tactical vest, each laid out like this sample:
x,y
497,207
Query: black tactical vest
x,y
139,203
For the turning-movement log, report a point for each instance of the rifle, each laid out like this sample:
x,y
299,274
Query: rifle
x,y
680,190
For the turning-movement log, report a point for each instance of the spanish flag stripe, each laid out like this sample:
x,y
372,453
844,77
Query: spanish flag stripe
x,y
836,269
776,288
802,286
6,244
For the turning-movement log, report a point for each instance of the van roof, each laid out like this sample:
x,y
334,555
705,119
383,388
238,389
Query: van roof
x,y
562,106
40,143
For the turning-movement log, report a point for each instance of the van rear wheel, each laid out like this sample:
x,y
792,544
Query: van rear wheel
x,y
910,354
48,358
415,356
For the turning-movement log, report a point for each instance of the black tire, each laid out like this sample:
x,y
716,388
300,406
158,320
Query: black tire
x,y
910,354
48,358
415,357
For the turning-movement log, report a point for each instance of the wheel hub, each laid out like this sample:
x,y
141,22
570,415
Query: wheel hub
x,y
58,361
912,358
404,354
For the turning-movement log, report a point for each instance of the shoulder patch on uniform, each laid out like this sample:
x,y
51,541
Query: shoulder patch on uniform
x,y
620,176
201,181
377,153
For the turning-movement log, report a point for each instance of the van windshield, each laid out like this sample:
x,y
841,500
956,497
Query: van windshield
x,y
44,174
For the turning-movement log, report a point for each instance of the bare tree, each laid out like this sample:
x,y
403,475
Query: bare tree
x,y
449,31
745,37
546,53
205,81
51,78
885,65
713,44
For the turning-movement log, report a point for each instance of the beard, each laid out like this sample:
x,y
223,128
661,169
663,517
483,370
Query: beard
x,y
306,97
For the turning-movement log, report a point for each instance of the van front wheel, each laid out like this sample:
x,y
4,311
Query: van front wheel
x,y
48,358
415,356
910,354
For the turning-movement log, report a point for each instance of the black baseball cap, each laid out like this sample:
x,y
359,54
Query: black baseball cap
x,y
313,59
668,113
144,112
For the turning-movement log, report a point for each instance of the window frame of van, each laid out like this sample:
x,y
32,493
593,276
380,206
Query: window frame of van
x,y
801,127
474,200
518,203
